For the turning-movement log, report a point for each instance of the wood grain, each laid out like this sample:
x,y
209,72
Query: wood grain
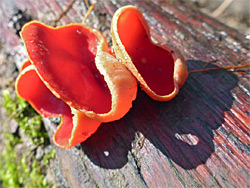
x,y
199,139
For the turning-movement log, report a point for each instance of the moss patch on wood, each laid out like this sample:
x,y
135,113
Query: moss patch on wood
x,y
26,154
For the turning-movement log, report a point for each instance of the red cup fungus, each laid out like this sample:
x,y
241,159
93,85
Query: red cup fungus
x,y
160,70
70,73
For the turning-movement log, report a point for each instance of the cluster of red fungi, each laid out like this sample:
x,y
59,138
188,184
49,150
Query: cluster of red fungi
x,y
72,74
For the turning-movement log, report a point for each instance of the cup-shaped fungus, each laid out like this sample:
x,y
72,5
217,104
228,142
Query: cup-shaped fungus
x,y
70,73
74,64
161,70
73,129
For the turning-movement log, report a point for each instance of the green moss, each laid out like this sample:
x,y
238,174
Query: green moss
x,y
8,163
24,170
28,120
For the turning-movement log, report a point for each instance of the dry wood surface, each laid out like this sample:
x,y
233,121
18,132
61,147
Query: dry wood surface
x,y
199,139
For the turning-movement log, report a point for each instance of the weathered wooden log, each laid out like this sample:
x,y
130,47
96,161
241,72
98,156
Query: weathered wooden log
x,y
199,139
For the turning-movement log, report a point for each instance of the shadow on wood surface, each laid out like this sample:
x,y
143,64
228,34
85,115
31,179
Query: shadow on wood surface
x,y
165,124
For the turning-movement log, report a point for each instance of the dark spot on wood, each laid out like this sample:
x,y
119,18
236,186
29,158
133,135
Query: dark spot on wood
x,y
102,14
17,21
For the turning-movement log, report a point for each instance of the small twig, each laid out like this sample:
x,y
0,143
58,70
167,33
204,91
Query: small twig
x,y
63,13
221,8
219,68
87,14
